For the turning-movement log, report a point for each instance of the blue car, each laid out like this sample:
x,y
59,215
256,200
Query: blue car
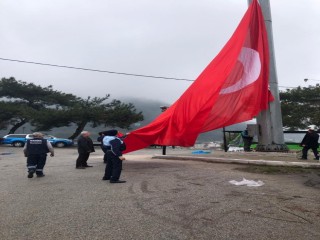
x,y
19,140
16,140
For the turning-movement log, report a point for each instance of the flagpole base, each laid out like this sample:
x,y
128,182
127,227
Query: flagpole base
x,y
272,148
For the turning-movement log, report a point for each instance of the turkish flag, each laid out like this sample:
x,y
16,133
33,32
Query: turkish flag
x,y
233,88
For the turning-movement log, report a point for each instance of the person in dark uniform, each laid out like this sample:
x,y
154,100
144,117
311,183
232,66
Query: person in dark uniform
x,y
85,147
114,146
105,148
310,140
99,139
247,140
36,150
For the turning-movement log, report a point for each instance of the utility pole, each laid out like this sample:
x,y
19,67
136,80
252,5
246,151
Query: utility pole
x,y
164,148
224,140
270,127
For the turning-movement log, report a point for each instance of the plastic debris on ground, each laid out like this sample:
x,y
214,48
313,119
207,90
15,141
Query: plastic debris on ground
x,y
249,183
201,152
235,149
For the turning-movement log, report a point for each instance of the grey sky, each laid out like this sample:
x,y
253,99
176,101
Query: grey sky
x,y
174,38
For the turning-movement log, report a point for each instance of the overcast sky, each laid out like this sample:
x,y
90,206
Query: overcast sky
x,y
172,38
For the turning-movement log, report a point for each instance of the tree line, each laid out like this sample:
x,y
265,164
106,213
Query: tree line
x,y
45,108
300,107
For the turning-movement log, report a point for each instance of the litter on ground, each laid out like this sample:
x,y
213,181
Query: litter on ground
x,y
249,183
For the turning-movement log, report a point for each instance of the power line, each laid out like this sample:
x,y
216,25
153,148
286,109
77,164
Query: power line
x,y
103,71
94,70
286,87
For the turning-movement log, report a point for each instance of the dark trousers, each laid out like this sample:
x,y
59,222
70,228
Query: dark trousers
x,y
246,144
105,156
82,159
36,162
305,152
113,167
103,149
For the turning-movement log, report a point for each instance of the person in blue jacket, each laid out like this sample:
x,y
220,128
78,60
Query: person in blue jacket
x,y
114,147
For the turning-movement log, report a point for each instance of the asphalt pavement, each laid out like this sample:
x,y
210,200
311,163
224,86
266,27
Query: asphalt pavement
x,y
162,198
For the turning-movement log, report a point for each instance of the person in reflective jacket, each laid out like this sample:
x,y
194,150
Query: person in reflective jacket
x,y
114,147
36,150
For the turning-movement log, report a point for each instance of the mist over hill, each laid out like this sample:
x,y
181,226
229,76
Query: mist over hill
x,y
151,109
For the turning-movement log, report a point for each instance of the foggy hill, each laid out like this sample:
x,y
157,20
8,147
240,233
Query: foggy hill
x,y
151,109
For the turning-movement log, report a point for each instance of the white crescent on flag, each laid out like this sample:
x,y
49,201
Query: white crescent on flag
x,y
251,70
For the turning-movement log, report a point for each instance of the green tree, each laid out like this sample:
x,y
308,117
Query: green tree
x,y
95,111
28,100
14,114
98,111
8,112
119,114
46,108
300,107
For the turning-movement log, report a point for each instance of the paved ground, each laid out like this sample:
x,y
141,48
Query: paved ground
x,y
162,199
257,158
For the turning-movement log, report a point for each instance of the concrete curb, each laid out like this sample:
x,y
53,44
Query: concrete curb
x,y
239,161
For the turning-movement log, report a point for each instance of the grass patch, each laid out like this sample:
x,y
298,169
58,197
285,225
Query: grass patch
x,y
291,146
277,170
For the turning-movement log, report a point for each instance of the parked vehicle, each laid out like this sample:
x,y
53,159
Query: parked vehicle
x,y
16,140
56,142
19,140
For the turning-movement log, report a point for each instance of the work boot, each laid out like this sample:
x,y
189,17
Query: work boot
x,y
30,174
117,181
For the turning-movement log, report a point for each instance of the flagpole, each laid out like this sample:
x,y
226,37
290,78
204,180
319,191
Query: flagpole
x,y
270,124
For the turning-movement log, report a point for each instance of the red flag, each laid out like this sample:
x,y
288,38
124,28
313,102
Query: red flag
x,y
233,88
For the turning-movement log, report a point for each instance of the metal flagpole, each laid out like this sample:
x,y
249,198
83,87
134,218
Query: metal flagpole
x,y
270,136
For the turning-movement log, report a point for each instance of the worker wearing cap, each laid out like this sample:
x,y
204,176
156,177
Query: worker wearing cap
x,y
114,147
310,140
36,150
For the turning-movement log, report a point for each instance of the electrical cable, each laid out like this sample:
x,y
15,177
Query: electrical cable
x,y
103,71
93,70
